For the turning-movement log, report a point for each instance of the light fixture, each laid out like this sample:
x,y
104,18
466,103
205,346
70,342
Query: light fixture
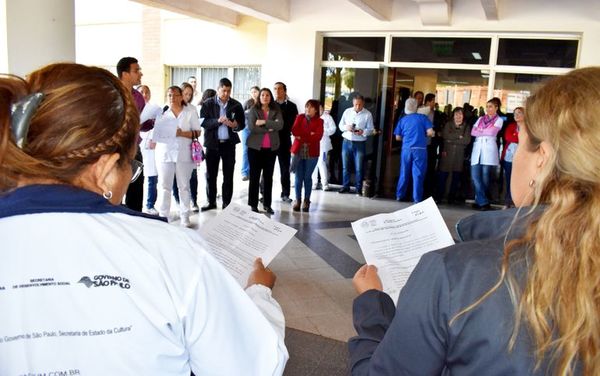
x,y
476,55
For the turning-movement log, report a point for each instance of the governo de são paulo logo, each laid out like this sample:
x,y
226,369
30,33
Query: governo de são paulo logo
x,y
105,280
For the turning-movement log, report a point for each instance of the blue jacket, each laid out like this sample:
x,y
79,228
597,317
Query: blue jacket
x,y
417,339
413,129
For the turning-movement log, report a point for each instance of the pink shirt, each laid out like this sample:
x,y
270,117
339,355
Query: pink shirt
x,y
492,131
266,141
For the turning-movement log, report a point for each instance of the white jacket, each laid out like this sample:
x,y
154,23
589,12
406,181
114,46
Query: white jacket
x,y
178,148
328,129
112,293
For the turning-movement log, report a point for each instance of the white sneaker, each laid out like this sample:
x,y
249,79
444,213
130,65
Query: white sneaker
x,y
150,211
185,222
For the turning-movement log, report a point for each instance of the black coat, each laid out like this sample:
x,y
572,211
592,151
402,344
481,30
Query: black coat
x,y
211,112
289,111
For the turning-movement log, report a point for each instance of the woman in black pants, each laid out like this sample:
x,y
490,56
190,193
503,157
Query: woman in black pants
x,y
264,122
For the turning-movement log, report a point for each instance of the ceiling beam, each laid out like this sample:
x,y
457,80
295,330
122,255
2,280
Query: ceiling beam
x,y
380,9
197,9
435,12
265,10
490,7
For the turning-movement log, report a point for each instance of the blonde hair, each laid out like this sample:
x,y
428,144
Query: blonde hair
x,y
561,299
86,112
559,302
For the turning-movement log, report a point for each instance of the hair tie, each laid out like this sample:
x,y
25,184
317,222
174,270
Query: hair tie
x,y
21,113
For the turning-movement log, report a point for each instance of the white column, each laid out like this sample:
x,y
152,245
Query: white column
x,y
34,33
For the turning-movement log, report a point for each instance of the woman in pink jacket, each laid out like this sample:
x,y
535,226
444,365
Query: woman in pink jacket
x,y
484,157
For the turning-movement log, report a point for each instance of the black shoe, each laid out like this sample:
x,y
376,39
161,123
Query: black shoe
x,y
225,206
268,210
254,209
485,207
318,187
344,190
286,199
475,206
208,207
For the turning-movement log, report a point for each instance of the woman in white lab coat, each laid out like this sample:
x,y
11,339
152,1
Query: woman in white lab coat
x,y
173,154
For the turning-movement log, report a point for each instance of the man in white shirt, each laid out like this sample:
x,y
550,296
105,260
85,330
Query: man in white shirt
x,y
356,124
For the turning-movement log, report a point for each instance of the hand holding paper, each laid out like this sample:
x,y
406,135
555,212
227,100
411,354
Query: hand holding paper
x,y
237,236
395,242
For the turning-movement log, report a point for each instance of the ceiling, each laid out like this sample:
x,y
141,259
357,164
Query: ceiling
x,y
228,12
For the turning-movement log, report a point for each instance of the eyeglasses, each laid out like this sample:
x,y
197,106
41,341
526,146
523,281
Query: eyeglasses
x,y
136,169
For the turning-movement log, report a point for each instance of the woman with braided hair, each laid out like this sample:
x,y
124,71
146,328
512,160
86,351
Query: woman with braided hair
x,y
90,286
522,298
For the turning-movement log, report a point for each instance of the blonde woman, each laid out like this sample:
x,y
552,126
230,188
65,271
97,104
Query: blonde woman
x,y
528,304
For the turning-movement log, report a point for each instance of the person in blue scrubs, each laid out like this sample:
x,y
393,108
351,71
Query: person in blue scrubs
x,y
413,130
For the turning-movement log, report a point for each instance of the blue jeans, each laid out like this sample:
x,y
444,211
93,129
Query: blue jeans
x,y
151,200
481,181
353,150
413,160
507,173
304,176
245,165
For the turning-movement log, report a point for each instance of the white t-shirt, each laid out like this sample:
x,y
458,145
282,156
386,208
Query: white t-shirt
x,y
115,294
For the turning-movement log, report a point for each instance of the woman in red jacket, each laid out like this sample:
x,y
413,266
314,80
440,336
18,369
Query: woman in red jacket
x,y
510,139
307,131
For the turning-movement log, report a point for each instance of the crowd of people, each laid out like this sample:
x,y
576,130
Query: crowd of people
x,y
151,300
474,151
270,129
471,151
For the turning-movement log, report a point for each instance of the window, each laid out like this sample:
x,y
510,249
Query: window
x,y
538,52
181,74
441,50
353,48
514,88
456,87
242,78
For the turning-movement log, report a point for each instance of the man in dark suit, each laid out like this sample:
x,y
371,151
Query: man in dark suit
x,y
289,112
223,118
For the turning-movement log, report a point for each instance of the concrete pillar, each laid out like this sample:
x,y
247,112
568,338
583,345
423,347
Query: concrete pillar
x,y
151,59
34,33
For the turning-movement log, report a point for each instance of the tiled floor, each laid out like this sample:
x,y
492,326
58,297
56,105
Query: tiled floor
x,y
314,270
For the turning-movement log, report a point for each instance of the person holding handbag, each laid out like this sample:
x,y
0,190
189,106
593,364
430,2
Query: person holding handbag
x,y
264,122
174,156
187,90
307,131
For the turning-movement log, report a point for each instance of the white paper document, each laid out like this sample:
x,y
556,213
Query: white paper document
x,y
394,242
150,111
237,236
165,130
